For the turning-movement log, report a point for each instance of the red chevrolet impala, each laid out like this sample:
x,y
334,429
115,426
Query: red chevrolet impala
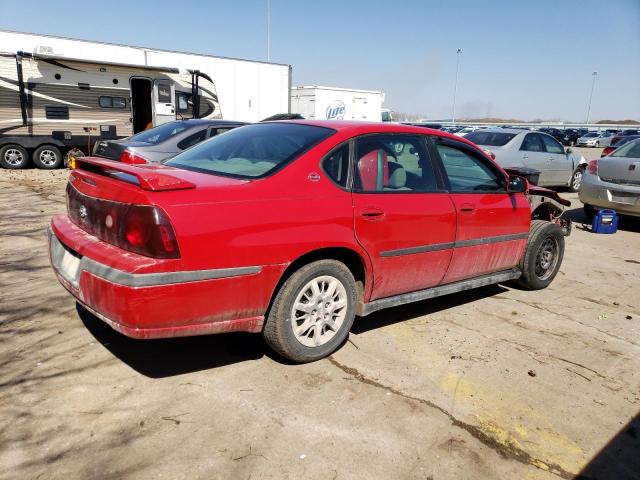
x,y
292,229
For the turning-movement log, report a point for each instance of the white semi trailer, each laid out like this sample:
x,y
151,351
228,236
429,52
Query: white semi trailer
x,y
63,94
331,103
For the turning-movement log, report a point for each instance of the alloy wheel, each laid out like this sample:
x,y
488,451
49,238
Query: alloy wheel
x,y
13,157
319,310
48,157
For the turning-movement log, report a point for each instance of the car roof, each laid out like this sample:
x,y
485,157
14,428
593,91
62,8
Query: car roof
x,y
193,122
503,130
354,125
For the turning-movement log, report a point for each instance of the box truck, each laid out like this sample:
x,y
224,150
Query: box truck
x,y
330,103
60,95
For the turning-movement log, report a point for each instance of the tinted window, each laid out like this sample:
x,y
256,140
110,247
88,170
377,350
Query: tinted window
x,y
532,143
393,163
336,165
112,102
251,151
468,172
217,131
160,133
629,150
191,140
494,139
552,145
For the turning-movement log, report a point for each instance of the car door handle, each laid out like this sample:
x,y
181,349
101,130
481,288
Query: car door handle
x,y
467,207
371,213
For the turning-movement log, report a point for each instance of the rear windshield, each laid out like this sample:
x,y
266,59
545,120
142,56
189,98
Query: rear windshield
x,y
153,136
629,150
494,139
252,151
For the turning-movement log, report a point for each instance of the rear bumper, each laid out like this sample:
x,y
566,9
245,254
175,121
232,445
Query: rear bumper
x,y
162,304
624,199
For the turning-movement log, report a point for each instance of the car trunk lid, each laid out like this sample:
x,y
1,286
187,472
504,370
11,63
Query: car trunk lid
x,y
623,171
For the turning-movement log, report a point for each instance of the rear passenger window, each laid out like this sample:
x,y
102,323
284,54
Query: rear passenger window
x,y
468,173
191,140
393,163
336,165
532,143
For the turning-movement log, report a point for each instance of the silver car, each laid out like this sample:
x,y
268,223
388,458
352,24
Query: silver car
x,y
613,182
513,147
595,139
163,141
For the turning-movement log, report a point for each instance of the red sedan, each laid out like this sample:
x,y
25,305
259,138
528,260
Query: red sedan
x,y
292,229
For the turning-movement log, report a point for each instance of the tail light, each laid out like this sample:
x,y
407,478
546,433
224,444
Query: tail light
x,y
592,167
490,153
130,157
142,229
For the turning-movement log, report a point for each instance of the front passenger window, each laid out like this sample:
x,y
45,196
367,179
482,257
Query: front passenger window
x,y
468,173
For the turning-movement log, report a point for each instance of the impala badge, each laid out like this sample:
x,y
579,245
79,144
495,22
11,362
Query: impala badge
x,y
632,166
82,211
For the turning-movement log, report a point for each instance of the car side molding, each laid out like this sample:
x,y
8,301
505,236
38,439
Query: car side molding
x,y
364,309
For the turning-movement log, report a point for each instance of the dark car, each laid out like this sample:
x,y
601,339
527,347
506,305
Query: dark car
x,y
163,141
571,136
554,132
619,136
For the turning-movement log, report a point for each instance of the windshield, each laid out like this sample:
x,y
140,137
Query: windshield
x,y
629,150
592,134
252,151
494,139
161,133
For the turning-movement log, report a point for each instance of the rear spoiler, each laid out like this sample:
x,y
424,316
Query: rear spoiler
x,y
545,192
156,178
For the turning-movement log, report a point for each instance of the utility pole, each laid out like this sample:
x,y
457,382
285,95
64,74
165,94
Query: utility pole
x,y
455,86
593,84
268,30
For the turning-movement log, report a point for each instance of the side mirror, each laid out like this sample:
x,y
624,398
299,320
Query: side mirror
x,y
568,150
516,184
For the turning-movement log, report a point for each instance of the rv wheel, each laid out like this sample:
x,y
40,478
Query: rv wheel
x,y
13,157
47,157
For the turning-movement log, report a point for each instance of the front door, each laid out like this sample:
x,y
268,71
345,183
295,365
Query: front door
x,y
535,156
164,108
492,225
403,217
560,165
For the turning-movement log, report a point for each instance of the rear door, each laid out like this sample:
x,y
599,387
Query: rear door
x,y
535,156
560,165
492,225
164,109
403,217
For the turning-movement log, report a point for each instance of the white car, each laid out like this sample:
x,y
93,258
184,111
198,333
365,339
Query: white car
x,y
465,131
512,147
595,139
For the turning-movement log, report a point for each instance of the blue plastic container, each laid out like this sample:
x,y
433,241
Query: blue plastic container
x,y
605,221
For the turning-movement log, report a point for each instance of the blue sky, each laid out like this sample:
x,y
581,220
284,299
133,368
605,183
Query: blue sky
x,y
523,60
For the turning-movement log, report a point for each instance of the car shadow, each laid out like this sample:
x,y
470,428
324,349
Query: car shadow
x,y
619,459
625,222
408,311
176,356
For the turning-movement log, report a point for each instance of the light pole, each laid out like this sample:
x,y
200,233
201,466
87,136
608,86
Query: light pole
x,y
455,86
268,30
593,84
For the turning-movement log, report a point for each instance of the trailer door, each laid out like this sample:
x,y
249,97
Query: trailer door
x,y
164,108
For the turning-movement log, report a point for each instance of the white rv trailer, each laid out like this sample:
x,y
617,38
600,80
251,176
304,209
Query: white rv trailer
x,y
59,95
331,103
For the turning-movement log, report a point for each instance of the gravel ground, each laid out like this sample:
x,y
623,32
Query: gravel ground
x,y
493,383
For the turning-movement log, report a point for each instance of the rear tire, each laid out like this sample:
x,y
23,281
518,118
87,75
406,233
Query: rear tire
x,y
543,256
13,157
318,295
47,157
